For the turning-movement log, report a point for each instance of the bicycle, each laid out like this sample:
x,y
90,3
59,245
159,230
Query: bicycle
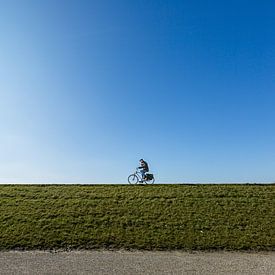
x,y
137,177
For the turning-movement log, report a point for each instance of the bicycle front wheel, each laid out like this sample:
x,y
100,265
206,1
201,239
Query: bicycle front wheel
x,y
133,179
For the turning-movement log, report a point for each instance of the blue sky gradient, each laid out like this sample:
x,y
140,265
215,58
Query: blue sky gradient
x,y
87,88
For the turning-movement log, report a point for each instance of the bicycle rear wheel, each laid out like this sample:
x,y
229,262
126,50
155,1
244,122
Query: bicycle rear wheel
x,y
133,179
150,181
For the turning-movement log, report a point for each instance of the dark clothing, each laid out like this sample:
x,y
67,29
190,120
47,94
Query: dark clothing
x,y
144,166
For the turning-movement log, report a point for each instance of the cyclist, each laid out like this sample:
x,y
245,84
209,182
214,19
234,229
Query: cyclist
x,y
144,168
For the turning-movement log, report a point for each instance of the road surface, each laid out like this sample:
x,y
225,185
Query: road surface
x,y
136,262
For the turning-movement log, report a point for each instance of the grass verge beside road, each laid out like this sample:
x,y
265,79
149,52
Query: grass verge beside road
x,y
198,217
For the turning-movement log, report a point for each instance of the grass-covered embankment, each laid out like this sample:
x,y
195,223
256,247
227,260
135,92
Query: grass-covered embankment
x,y
233,217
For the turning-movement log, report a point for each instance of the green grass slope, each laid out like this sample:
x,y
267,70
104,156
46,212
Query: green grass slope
x,y
199,217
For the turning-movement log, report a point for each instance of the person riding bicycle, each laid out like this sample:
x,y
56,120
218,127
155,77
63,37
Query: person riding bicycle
x,y
144,168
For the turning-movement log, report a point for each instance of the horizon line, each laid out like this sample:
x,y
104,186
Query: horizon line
x,y
124,183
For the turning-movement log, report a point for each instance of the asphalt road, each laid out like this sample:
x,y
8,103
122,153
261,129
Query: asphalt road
x,y
136,262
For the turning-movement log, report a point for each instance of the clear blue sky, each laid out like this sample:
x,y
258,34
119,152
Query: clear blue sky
x,y
87,88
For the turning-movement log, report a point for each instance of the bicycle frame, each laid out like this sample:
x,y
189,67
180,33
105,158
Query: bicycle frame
x,y
138,174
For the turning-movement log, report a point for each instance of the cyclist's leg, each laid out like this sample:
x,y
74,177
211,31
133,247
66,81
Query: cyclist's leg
x,y
142,171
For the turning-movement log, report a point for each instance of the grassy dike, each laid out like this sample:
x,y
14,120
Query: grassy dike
x,y
199,217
